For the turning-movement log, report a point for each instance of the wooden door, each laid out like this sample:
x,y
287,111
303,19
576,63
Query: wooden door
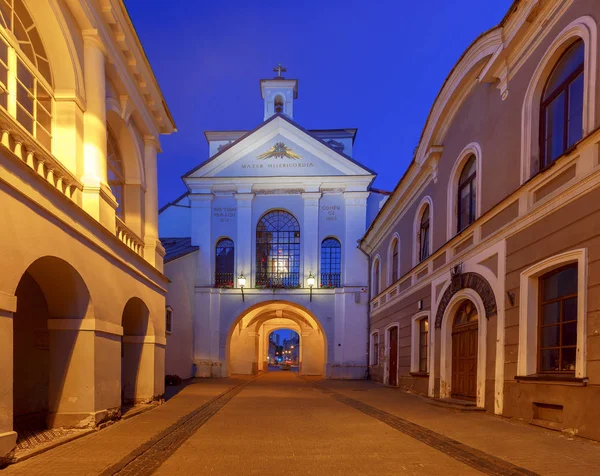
x,y
464,362
393,360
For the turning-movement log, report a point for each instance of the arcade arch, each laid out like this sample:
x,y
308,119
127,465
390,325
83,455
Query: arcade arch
x,y
247,340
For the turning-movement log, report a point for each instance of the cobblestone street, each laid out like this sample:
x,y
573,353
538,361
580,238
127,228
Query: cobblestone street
x,y
280,423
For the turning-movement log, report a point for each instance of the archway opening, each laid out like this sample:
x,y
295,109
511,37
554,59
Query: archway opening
x,y
248,340
137,357
283,351
50,363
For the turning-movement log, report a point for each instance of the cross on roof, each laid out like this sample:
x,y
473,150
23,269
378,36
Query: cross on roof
x,y
279,69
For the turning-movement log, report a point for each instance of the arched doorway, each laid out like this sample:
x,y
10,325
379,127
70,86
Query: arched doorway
x,y
464,351
51,358
248,338
137,356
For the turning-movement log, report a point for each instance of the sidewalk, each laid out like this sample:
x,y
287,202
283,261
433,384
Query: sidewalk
x,y
539,450
94,453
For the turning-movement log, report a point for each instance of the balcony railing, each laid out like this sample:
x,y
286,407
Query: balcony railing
x,y
331,280
277,280
128,237
224,280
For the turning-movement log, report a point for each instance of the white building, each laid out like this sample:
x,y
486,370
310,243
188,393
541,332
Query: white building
x,y
277,205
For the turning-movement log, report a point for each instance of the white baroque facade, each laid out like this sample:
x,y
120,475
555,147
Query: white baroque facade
x,y
276,206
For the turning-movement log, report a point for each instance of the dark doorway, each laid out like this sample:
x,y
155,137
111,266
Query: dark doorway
x,y
393,360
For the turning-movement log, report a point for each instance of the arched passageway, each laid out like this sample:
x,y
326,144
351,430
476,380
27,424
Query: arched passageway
x,y
248,339
51,378
137,353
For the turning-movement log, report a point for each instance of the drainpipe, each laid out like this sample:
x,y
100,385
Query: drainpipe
x,y
367,372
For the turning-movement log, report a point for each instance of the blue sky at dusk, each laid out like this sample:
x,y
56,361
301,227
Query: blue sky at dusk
x,y
375,65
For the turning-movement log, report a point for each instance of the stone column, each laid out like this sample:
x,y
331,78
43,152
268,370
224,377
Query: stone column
x,y
97,199
8,438
202,236
354,261
310,235
151,149
245,237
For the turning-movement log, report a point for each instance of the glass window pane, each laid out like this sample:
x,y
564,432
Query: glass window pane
x,y
25,98
568,359
549,360
569,333
551,313
24,119
575,110
550,336
555,126
562,283
568,63
570,309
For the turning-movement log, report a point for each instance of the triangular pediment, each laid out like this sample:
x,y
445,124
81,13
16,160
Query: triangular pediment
x,y
277,148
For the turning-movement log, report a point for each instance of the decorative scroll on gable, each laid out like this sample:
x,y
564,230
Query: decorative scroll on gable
x,y
473,281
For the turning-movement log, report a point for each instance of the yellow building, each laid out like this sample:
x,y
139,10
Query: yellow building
x,y
82,306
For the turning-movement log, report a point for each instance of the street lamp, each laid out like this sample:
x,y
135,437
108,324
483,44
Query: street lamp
x,y
311,282
241,283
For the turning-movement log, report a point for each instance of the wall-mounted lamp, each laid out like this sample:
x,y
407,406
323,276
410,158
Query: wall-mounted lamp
x,y
311,282
241,283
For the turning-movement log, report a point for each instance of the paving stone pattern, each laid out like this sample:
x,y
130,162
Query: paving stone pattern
x,y
145,459
475,458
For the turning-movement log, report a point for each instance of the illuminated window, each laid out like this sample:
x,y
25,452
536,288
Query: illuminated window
x,y
25,94
116,175
562,105
224,263
331,263
278,250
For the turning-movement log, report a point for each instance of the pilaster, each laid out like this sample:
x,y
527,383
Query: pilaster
x,y
310,234
151,149
243,245
201,236
354,261
97,198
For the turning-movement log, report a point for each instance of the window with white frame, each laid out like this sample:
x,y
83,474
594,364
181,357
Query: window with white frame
x,y
552,316
376,277
25,79
562,105
467,193
423,343
375,348
394,262
424,234
169,319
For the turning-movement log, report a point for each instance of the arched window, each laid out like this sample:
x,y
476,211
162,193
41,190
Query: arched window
x,y
278,104
331,263
424,234
116,174
423,344
467,190
278,250
224,263
395,274
28,98
562,106
376,277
